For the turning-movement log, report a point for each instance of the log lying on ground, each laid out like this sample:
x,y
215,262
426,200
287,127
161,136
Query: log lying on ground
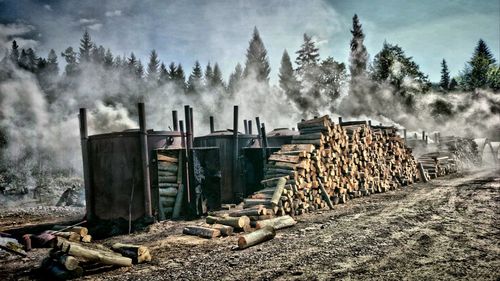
x,y
256,237
277,223
225,230
236,222
201,231
93,255
62,267
137,253
82,231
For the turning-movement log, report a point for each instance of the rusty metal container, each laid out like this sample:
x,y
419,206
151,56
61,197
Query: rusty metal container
x,y
115,171
280,136
232,182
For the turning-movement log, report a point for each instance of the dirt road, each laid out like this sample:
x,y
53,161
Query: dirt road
x,y
447,229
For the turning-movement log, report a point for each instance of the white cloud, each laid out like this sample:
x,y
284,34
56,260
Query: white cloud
x,y
87,21
95,26
47,7
115,13
15,31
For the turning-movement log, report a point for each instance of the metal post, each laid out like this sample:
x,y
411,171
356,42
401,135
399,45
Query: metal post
x,y
235,182
370,123
84,138
245,125
187,119
212,126
257,123
423,135
186,158
175,120
404,134
191,124
340,120
250,127
143,135
264,136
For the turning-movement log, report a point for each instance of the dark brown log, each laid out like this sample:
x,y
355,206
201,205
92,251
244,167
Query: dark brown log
x,y
204,232
138,253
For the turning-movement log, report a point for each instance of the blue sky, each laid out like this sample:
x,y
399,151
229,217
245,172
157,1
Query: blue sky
x,y
184,31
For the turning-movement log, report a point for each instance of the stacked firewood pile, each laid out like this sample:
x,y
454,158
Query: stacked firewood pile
x,y
438,164
463,150
329,164
169,185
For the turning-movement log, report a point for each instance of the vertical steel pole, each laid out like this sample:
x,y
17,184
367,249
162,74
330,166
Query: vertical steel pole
x,y
212,125
175,120
143,136
84,138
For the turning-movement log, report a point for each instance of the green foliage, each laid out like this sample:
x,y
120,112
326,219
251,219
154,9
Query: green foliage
x,y
393,66
257,62
475,74
359,56
444,83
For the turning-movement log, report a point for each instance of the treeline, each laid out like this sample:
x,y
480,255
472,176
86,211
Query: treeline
x,y
309,80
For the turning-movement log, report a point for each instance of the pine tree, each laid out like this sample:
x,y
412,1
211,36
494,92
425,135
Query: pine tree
x,y
308,54
172,71
70,57
164,76
475,74
14,53
195,79
359,56
152,73
209,74
28,60
85,47
257,62
139,71
108,59
445,76
216,80
52,65
333,77
180,78
234,81
288,82
453,85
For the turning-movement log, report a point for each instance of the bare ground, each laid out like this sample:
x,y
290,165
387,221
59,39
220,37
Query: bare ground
x,y
447,229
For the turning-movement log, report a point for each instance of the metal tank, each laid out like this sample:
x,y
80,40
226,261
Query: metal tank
x,y
116,176
280,136
232,182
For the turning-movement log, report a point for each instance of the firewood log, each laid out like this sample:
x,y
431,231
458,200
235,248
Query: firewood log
x,y
236,222
256,237
276,223
137,253
93,255
82,231
204,232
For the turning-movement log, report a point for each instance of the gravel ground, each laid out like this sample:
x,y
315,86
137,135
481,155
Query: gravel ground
x,y
446,229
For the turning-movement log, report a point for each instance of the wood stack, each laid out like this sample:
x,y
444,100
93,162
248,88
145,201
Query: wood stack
x,y
169,184
463,150
328,164
438,164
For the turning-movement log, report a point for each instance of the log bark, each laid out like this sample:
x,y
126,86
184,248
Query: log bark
x,y
225,230
256,237
277,223
82,231
200,231
236,222
138,253
93,255
280,186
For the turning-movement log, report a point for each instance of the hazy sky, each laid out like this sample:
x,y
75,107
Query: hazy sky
x,y
184,31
